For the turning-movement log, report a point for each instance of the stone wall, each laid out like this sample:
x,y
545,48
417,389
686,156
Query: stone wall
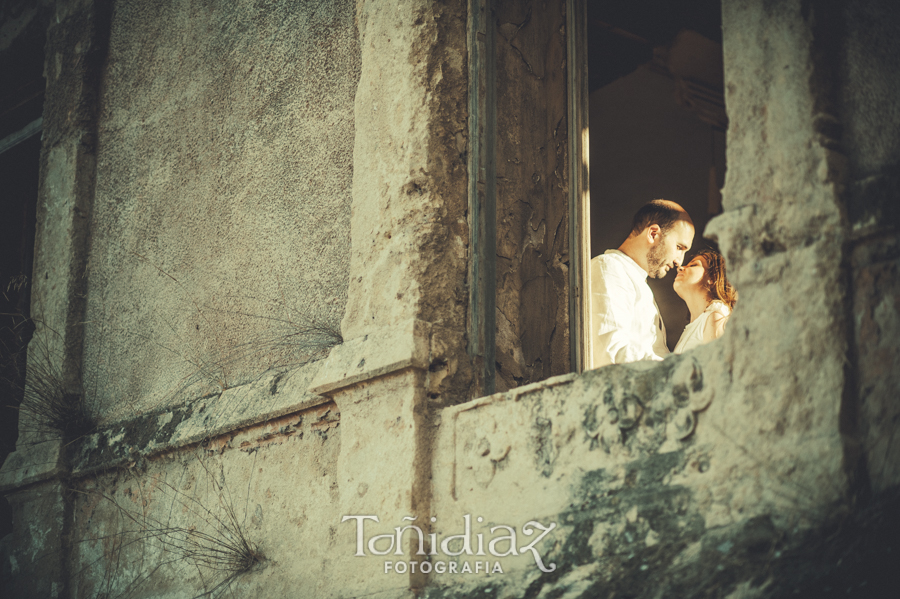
x,y
188,521
707,472
220,220
193,238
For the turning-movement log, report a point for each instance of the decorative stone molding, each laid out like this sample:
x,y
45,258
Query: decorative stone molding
x,y
483,448
622,411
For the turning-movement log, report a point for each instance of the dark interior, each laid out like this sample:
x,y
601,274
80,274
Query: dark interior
x,y
657,121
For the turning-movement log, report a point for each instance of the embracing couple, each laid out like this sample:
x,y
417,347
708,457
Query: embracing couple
x,y
627,325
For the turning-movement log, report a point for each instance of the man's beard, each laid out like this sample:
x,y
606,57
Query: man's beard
x,y
656,259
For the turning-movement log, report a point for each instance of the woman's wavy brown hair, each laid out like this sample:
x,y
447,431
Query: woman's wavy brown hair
x,y
715,281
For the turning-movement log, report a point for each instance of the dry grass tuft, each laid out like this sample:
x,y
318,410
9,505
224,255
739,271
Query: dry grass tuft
x,y
49,408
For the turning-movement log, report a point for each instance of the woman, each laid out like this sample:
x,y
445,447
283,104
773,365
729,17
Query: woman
x,y
709,296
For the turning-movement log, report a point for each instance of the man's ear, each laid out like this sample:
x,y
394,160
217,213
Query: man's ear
x,y
653,233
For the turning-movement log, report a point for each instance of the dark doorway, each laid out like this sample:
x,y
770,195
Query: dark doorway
x,y
657,121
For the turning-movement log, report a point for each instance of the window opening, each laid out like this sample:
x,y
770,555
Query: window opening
x,y
645,78
657,122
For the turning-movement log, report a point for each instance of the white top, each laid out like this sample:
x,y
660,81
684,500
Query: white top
x,y
626,325
693,332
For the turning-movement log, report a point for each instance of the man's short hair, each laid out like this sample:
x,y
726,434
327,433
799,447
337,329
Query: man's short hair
x,y
658,212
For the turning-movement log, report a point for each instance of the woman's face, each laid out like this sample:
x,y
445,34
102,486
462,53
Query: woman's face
x,y
690,277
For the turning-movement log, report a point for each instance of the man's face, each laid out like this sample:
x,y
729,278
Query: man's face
x,y
668,250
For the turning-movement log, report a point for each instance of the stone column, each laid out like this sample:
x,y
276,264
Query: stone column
x,y
405,348
783,234
33,476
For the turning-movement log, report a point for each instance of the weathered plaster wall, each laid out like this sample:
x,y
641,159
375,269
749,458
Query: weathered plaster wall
x,y
609,458
220,226
171,525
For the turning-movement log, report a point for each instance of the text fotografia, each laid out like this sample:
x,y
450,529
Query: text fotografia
x,y
442,567
503,542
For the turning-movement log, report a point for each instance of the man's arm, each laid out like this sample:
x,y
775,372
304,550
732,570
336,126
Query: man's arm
x,y
613,299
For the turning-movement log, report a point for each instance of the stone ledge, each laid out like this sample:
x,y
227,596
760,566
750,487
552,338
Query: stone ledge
x,y
375,355
536,435
239,407
30,464
511,395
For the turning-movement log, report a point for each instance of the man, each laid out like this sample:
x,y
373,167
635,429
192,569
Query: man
x,y
627,326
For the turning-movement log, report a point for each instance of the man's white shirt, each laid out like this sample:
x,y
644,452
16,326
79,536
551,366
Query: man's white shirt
x,y
626,324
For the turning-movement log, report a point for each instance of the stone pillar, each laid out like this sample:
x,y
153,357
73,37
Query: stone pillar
x,y
32,475
783,233
405,348
33,560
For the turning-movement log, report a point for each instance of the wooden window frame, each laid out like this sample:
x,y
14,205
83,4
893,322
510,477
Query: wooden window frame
x,y
482,186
